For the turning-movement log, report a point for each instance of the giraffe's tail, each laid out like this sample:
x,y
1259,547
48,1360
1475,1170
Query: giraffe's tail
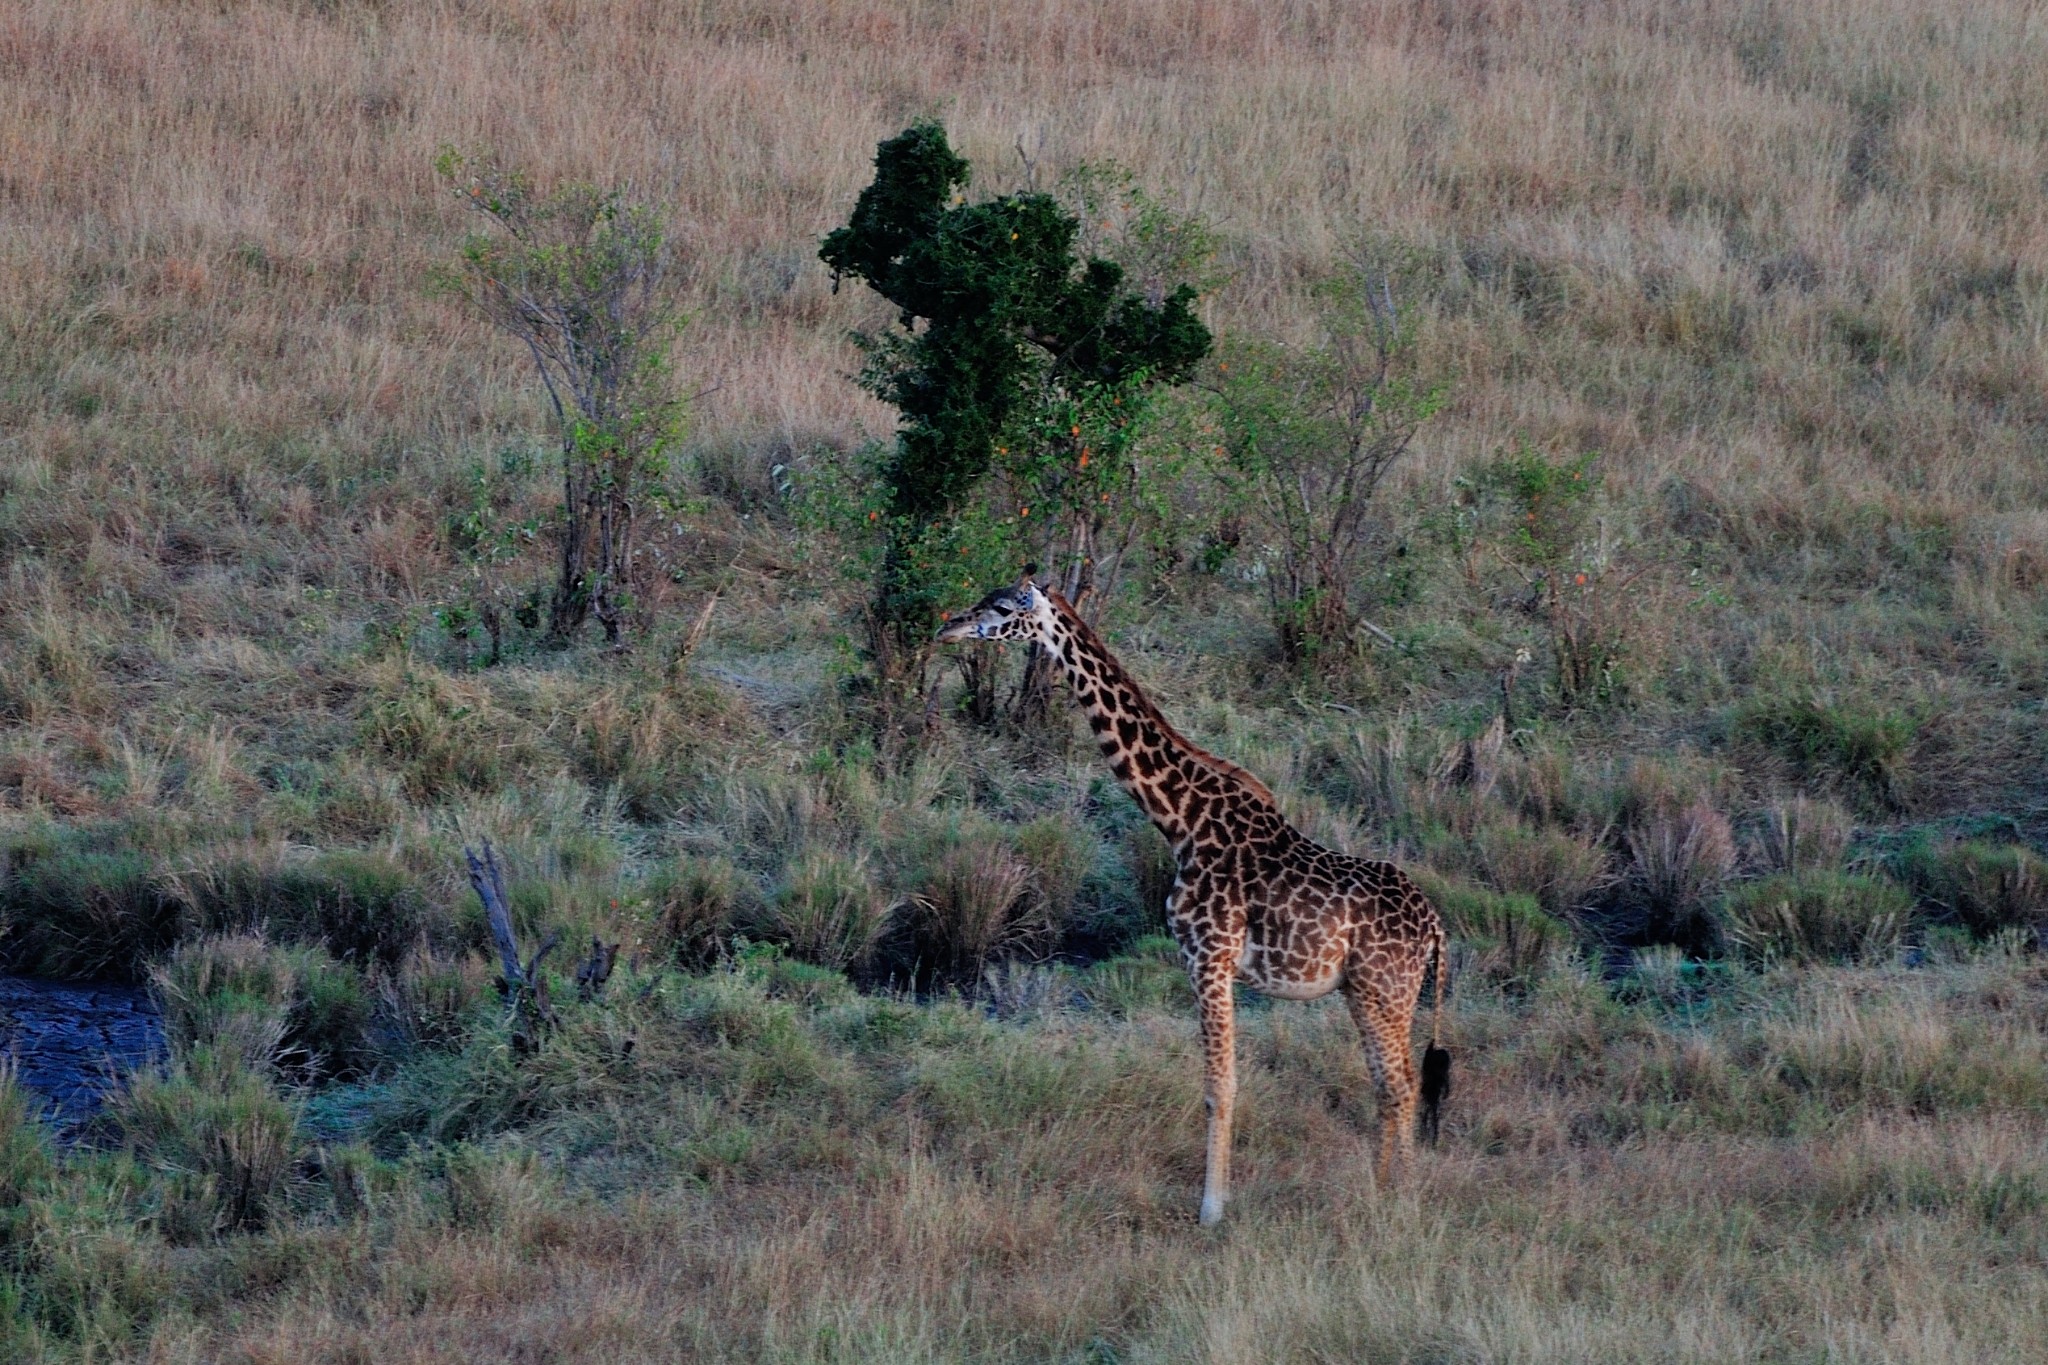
x,y
1436,1058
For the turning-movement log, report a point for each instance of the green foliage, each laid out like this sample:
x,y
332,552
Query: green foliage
x,y
219,1137
1309,434
695,904
1985,888
292,1011
1514,942
1864,747
24,1155
1817,916
585,279
1146,978
80,909
1541,517
828,909
362,907
1006,341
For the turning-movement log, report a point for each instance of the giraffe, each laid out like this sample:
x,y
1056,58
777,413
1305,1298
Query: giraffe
x,y
1253,899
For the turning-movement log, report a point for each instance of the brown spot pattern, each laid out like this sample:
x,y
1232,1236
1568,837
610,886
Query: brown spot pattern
x,y
1255,900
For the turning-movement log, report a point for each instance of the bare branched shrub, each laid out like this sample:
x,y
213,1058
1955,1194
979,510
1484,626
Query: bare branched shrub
x,y
586,280
1310,435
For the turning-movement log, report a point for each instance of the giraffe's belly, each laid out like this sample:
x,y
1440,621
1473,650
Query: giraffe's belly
x,y
1288,975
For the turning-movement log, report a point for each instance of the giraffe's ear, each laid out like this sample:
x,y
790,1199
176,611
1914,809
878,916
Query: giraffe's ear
x,y
1024,583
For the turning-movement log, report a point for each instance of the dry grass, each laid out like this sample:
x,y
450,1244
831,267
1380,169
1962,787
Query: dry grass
x,y
1844,1164
1783,264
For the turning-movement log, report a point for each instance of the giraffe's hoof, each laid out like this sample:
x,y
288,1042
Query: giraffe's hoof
x,y
1212,1211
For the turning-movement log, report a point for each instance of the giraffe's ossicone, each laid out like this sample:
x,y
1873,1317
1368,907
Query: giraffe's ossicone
x,y
1254,899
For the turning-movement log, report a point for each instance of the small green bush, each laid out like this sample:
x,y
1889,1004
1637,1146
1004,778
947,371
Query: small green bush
x,y
266,1006
228,996
24,1153
218,1134
1059,854
362,907
78,911
1799,834
432,1001
1514,941
1678,861
332,1016
1863,747
1146,978
1985,888
828,909
1817,916
694,905
1561,871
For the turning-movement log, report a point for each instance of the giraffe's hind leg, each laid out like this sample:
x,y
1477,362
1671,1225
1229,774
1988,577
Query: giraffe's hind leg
x,y
1383,1021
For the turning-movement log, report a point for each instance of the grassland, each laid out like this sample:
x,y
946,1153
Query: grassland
x,y
1781,265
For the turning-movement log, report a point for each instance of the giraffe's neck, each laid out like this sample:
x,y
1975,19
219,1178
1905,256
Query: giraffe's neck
x,y
1176,784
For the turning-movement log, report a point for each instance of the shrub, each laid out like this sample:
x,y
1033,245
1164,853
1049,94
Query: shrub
x,y
1865,748
828,910
974,900
695,904
228,996
219,1135
77,911
587,280
1022,347
265,1006
1561,871
331,1018
1800,835
1153,871
1146,978
1059,855
1985,888
362,907
1817,916
1677,864
1514,941
1310,436
24,1153
430,1001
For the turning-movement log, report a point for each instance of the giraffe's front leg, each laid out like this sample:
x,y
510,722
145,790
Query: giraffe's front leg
x,y
1212,972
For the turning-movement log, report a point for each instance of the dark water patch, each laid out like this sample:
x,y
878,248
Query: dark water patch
x,y
71,1042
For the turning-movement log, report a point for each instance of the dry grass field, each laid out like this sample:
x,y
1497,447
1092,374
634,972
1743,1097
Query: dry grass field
x,y
1784,266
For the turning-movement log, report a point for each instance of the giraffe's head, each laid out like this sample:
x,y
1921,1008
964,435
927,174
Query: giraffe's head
x,y
1018,612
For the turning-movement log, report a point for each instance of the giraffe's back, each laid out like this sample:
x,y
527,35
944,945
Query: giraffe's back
x,y
1312,914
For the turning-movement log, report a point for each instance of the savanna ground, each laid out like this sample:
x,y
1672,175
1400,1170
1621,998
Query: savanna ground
x,y
1751,1020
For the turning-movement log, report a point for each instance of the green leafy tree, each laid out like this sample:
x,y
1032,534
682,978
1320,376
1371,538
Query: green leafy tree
x,y
1003,333
586,279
